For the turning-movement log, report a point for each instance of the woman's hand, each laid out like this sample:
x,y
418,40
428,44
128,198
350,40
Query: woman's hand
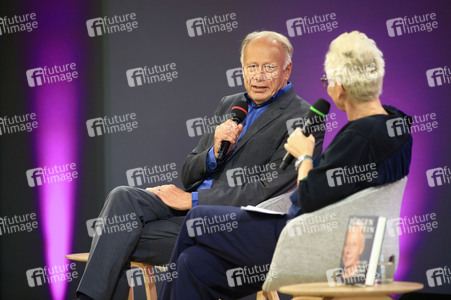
x,y
298,144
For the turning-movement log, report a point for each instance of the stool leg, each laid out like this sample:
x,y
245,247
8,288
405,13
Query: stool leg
x,y
130,294
149,280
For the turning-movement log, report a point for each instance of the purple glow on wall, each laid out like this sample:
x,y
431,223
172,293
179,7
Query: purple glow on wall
x,y
56,143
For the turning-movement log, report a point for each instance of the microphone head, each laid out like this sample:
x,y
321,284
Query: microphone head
x,y
320,107
239,111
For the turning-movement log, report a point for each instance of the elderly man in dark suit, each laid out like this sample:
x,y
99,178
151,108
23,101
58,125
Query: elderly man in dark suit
x,y
256,148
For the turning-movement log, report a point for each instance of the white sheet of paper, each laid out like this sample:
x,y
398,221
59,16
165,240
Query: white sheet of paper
x,y
261,210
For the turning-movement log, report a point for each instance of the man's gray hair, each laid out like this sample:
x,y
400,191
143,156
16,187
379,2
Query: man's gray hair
x,y
283,40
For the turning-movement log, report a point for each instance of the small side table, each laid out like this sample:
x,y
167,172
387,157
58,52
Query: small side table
x,y
322,291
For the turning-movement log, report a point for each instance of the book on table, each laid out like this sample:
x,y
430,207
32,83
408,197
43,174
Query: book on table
x,y
361,250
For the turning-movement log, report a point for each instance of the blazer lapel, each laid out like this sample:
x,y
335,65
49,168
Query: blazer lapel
x,y
269,115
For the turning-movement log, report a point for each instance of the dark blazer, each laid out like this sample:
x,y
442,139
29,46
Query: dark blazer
x,y
261,145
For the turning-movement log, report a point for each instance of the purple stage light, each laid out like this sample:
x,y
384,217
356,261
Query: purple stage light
x,y
56,145
56,47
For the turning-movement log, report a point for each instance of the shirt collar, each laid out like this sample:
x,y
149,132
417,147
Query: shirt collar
x,y
279,93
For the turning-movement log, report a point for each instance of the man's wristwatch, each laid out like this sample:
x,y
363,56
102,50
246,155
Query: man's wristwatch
x,y
301,159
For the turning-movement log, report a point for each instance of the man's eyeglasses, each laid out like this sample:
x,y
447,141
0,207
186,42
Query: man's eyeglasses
x,y
268,68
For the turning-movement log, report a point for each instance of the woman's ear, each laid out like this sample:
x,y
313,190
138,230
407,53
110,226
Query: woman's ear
x,y
341,91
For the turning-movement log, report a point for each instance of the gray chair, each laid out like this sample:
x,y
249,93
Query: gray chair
x,y
312,243
279,203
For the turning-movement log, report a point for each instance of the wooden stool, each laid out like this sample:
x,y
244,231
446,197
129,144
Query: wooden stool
x,y
149,283
322,291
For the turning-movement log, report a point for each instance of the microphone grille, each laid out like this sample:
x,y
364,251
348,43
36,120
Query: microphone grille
x,y
239,110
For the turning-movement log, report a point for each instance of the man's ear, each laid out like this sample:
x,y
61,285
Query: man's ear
x,y
288,71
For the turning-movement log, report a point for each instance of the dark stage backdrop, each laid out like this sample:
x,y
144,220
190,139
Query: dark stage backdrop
x,y
118,93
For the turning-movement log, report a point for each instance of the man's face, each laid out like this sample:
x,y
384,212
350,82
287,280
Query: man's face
x,y
263,61
354,245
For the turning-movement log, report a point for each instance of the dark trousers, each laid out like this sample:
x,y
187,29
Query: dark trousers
x,y
136,225
215,258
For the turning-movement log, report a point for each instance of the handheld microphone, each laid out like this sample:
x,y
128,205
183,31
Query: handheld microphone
x,y
239,113
313,118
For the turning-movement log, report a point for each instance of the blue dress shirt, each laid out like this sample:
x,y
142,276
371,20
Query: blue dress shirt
x,y
254,111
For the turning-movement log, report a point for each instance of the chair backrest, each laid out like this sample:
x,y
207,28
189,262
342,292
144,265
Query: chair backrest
x,y
279,203
312,243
